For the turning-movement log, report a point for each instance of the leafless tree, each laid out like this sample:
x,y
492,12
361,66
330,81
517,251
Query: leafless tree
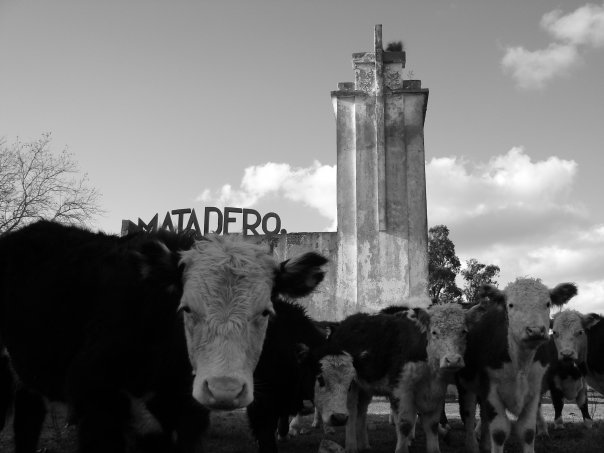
x,y
36,183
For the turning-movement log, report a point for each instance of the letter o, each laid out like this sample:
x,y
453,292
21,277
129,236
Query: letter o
x,y
265,220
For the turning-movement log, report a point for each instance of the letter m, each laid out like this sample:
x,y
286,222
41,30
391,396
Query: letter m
x,y
148,227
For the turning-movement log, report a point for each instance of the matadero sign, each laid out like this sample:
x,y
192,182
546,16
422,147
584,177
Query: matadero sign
x,y
229,220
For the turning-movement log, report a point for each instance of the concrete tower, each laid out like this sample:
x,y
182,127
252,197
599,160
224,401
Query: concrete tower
x,y
382,255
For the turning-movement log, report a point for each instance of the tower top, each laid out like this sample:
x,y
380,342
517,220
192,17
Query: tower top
x,y
377,71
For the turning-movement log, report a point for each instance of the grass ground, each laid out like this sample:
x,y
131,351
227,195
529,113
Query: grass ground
x,y
230,434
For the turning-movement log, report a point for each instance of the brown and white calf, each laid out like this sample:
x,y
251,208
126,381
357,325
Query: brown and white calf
x,y
410,359
503,368
577,350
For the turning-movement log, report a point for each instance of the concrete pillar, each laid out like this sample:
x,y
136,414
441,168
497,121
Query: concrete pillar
x,y
382,220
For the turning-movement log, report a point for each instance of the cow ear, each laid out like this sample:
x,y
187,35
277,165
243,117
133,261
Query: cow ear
x,y
489,294
562,293
423,317
590,320
159,264
299,276
551,323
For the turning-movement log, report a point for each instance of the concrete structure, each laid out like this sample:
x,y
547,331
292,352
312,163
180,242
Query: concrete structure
x,y
379,255
382,221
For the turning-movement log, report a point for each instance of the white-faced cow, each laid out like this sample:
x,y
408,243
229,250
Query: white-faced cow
x,y
96,321
503,368
410,359
577,350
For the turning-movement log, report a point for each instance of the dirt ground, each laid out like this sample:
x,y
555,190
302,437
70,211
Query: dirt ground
x,y
230,434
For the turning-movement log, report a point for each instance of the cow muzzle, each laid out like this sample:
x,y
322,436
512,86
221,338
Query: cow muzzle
x,y
338,419
568,355
224,393
452,362
534,335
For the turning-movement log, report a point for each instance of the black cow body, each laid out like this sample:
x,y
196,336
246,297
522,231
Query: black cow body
x,y
595,357
575,352
564,380
283,374
90,320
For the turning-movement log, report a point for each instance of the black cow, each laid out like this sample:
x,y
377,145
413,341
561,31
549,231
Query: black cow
x,y
283,374
96,321
575,351
409,358
564,379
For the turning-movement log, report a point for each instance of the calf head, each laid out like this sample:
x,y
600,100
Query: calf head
x,y
569,330
331,388
528,302
447,331
228,286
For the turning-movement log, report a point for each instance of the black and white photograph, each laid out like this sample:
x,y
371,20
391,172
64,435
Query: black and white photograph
x,y
278,226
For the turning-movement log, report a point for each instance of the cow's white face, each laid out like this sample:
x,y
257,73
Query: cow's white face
x,y
528,305
226,304
569,330
331,388
447,336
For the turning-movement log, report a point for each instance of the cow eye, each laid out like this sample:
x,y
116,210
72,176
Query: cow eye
x,y
580,332
321,381
510,305
548,305
434,333
554,333
266,313
464,332
184,309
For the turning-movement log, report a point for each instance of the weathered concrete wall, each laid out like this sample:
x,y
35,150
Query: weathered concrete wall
x,y
382,218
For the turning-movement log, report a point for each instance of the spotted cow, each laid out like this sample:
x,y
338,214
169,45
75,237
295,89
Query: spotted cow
x,y
96,321
410,359
503,369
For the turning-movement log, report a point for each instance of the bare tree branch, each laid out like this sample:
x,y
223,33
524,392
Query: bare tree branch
x,y
36,183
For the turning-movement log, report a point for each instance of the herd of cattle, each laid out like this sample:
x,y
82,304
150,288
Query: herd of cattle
x,y
142,336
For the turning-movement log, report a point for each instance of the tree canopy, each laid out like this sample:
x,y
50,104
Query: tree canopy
x,y
36,183
475,275
443,266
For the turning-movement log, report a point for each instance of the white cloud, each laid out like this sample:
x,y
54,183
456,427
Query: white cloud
x,y
313,186
584,26
533,69
590,298
459,190
572,32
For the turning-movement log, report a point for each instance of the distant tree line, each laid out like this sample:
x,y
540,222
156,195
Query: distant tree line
x,y
444,267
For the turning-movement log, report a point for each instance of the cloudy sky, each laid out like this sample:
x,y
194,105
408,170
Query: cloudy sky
x,y
187,104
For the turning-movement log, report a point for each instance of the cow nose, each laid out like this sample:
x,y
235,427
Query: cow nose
x,y
338,419
453,361
224,393
535,332
567,354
